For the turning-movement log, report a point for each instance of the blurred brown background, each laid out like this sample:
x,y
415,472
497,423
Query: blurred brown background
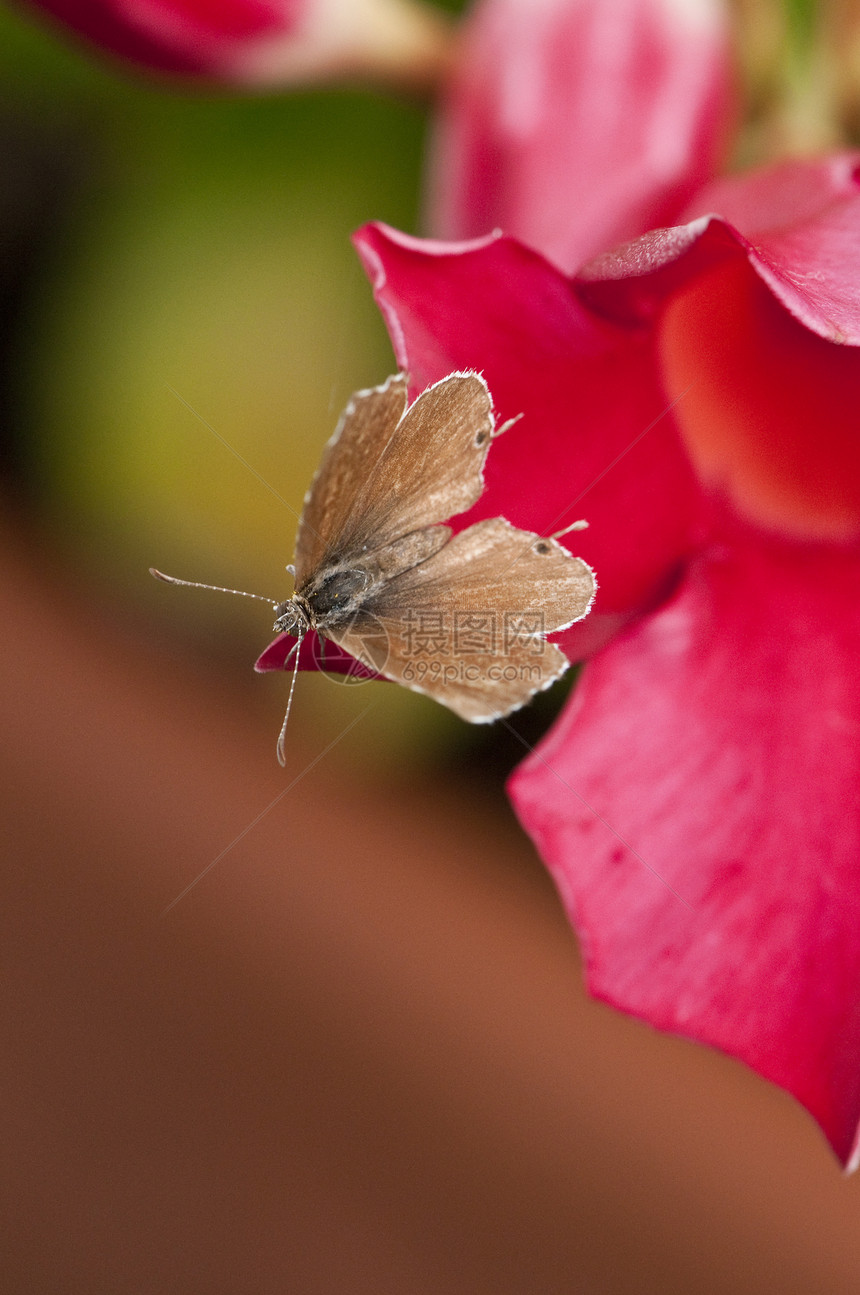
x,y
357,1055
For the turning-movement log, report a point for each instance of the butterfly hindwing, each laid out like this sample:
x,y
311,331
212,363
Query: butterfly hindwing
x,y
467,626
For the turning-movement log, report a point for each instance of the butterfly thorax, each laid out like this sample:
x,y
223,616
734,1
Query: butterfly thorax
x,y
329,598
335,595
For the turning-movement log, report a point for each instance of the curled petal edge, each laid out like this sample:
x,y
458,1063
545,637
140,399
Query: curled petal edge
x,y
802,240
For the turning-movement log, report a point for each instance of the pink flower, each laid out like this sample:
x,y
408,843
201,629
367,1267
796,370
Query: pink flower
x,y
573,124
262,42
694,394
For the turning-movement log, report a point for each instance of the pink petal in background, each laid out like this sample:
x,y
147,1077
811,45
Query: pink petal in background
x,y
575,124
177,36
261,43
698,808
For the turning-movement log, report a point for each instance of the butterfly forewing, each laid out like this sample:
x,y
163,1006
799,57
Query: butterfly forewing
x,y
419,469
467,626
432,468
349,460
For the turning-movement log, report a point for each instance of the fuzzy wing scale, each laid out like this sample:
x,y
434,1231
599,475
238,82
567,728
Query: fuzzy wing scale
x,y
365,428
386,473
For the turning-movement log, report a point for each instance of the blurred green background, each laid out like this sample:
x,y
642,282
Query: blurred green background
x,y
185,318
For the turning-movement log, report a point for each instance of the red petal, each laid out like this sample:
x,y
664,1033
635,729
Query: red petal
x,y
575,124
314,654
797,224
698,806
597,438
770,409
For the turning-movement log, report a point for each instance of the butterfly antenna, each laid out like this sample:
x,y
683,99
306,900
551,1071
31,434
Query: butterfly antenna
x,y
294,651
218,589
574,526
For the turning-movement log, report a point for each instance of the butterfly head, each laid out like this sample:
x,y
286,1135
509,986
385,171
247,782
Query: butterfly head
x,y
292,617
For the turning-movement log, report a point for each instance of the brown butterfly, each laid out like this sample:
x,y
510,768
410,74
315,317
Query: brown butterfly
x,y
462,618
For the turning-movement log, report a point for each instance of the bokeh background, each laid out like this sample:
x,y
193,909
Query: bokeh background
x,y
357,1055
